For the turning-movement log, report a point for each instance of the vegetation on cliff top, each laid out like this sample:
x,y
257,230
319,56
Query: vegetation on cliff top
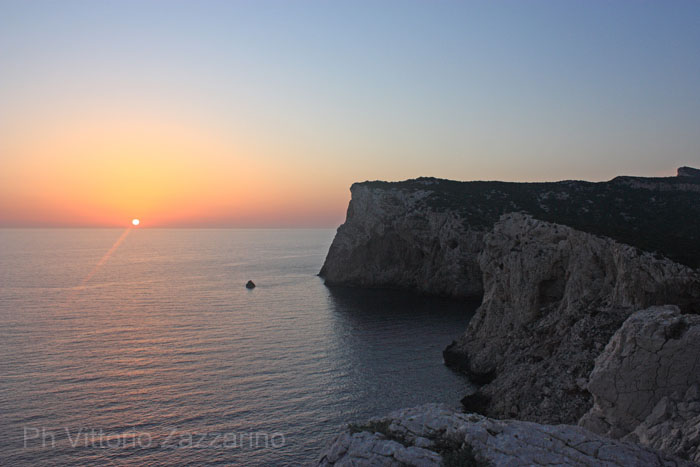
x,y
659,215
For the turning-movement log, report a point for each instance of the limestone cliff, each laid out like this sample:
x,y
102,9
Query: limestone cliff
x,y
394,238
425,234
646,383
434,435
553,297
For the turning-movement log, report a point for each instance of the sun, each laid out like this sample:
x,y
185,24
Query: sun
x,y
135,222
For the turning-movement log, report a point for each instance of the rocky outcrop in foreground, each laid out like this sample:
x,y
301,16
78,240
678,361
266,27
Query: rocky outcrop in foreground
x,y
646,383
553,298
434,435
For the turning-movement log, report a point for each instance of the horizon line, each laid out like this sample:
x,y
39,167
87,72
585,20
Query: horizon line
x,y
22,227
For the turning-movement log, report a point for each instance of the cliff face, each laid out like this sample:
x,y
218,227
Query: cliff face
x,y
394,238
646,383
425,234
553,298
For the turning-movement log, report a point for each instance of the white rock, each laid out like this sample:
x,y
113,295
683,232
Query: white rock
x,y
646,383
393,238
496,442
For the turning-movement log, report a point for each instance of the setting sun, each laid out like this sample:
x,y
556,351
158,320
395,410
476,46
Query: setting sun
x,y
135,222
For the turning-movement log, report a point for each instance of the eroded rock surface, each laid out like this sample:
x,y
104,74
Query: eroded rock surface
x,y
646,383
553,297
432,435
394,238
425,234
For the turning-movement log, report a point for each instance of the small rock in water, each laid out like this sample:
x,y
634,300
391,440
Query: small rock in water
x,y
250,285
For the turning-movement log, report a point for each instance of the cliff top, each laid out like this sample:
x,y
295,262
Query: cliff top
x,y
689,172
685,175
658,214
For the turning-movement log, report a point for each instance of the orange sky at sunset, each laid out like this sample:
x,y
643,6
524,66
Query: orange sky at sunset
x,y
104,172
103,167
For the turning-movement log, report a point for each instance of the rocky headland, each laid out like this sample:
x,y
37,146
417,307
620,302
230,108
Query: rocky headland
x,y
425,234
590,296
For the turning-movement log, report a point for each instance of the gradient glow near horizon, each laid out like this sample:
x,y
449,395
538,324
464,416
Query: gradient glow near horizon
x,y
264,113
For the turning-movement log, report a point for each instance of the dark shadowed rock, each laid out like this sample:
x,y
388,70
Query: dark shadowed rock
x,y
475,403
689,172
250,285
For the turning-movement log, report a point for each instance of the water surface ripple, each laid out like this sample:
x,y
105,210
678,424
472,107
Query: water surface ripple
x,y
164,342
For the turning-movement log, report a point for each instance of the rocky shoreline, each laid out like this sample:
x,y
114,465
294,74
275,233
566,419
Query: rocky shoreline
x,y
575,327
434,435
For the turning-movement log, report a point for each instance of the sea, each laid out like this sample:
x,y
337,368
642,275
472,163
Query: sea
x,y
144,347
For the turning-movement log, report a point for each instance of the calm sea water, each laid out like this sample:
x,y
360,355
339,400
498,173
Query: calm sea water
x,y
160,356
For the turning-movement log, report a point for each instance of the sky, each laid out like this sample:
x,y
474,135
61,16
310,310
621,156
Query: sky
x,y
263,113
